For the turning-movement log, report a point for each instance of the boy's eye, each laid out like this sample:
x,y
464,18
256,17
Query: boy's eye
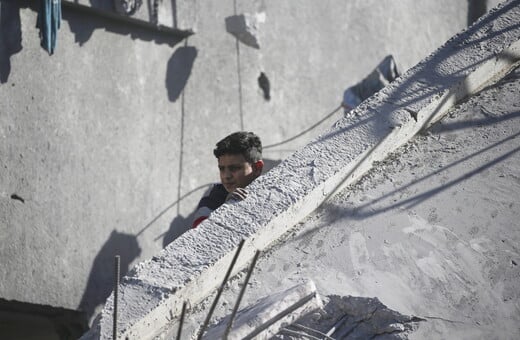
x,y
231,168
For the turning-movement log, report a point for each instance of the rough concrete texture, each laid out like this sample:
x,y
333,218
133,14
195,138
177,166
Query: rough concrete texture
x,y
189,268
106,145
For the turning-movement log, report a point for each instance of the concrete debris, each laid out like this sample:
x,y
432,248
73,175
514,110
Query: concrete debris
x,y
352,317
268,315
245,27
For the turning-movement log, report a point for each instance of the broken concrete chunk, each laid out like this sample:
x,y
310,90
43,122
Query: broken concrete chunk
x,y
264,319
353,318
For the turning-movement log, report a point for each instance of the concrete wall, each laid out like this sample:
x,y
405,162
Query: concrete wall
x,y
106,145
187,270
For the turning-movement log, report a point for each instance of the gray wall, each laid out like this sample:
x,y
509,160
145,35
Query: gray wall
x,y
106,144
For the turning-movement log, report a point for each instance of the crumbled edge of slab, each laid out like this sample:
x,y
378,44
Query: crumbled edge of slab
x,y
188,269
266,316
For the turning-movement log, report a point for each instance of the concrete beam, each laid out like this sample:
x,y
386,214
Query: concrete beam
x,y
151,296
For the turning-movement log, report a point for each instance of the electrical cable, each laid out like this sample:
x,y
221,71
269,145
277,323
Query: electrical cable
x,y
304,131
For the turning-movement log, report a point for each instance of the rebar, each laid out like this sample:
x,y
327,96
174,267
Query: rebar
x,y
221,288
117,273
240,295
181,321
311,330
337,325
299,335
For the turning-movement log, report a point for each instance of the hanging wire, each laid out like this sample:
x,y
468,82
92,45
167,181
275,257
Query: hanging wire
x,y
304,131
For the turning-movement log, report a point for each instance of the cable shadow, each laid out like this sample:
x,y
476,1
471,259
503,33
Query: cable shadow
x,y
363,211
474,123
10,35
174,13
177,75
476,9
101,278
416,87
367,210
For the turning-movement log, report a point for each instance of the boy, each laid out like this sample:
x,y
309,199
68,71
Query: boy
x,y
239,158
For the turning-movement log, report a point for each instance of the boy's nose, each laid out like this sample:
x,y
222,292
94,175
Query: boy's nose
x,y
228,174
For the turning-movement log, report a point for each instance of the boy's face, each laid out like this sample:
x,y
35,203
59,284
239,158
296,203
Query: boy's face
x,y
236,172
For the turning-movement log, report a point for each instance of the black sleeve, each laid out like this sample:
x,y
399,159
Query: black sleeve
x,y
215,198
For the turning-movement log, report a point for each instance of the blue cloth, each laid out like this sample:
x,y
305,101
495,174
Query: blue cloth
x,y
385,73
49,19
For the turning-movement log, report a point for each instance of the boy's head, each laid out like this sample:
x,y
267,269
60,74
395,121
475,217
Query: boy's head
x,y
239,159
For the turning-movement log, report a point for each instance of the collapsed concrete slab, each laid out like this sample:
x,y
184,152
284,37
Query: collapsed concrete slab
x,y
152,295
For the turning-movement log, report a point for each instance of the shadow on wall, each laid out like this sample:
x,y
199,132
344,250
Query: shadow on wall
x,y
179,70
476,9
101,279
20,320
178,226
10,35
83,25
270,163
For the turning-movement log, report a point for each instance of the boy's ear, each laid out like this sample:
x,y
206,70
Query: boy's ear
x,y
258,166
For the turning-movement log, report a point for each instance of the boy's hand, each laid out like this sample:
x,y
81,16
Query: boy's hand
x,y
237,195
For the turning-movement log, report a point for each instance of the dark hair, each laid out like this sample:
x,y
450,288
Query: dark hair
x,y
244,143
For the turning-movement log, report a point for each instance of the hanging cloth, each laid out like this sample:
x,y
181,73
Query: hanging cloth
x,y
48,21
